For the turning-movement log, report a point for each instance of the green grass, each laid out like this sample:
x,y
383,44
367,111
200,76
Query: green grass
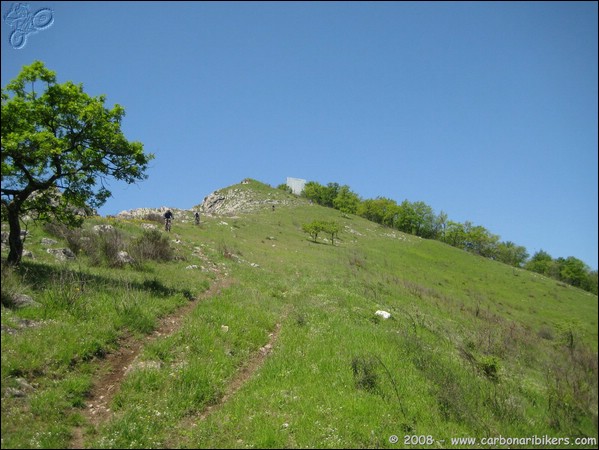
x,y
474,348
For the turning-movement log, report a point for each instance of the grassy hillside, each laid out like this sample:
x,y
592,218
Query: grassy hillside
x,y
273,340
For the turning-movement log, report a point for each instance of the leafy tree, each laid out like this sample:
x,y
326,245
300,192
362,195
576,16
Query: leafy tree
x,y
380,210
455,234
323,195
329,194
425,220
481,241
285,187
331,228
313,229
59,146
346,200
573,271
314,191
512,254
591,282
416,218
541,262
440,225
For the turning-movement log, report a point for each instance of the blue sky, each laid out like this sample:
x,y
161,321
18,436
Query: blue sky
x,y
486,111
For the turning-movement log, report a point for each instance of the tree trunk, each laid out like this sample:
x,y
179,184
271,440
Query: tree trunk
x,y
14,235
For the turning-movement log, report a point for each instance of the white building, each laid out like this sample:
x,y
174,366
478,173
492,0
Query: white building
x,y
296,184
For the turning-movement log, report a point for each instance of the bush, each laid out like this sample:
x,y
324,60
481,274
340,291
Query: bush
x,y
101,248
152,245
365,373
12,286
228,251
489,366
154,217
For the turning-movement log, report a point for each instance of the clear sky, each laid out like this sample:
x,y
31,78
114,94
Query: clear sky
x,y
486,111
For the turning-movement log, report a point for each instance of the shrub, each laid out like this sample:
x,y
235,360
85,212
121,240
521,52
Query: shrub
x,y
152,245
104,247
365,373
11,286
546,332
228,251
489,366
154,217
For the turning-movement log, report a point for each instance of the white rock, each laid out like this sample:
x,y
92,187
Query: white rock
x,y
383,314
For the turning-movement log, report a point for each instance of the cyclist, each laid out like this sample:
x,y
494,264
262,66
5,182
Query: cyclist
x,y
197,217
168,218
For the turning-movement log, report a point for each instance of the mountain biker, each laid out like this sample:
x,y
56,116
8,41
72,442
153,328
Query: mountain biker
x,y
197,217
168,217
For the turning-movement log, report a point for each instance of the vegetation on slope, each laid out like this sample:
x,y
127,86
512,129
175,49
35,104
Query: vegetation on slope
x,y
290,353
419,219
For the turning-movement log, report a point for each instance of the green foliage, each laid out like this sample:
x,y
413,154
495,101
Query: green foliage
x,y
365,370
541,262
331,228
380,210
315,227
12,286
512,254
346,201
58,146
322,195
419,219
152,245
489,365
573,271
284,187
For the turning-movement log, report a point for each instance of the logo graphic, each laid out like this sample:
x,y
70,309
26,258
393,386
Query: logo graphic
x,y
25,23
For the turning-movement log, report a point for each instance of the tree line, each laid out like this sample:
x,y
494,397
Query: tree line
x,y
419,219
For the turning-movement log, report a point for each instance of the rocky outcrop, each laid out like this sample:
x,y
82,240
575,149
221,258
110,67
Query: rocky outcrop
x,y
62,254
143,213
239,200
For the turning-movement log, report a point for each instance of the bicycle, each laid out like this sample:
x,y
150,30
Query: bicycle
x,y
167,224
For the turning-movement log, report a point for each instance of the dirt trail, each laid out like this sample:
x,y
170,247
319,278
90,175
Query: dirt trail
x,y
116,365
244,374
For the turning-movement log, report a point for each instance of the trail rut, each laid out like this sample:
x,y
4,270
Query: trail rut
x,y
116,365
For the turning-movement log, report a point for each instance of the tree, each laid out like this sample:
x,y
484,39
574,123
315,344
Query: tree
x,y
541,262
512,254
380,210
416,218
314,191
59,146
573,271
480,241
455,234
440,225
331,228
346,200
329,194
285,187
313,229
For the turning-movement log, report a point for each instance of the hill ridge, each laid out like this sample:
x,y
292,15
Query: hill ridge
x,y
472,347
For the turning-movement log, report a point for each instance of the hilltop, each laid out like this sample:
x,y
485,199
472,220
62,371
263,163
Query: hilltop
x,y
247,197
246,332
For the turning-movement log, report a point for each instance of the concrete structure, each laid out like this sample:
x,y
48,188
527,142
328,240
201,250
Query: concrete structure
x,y
296,184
